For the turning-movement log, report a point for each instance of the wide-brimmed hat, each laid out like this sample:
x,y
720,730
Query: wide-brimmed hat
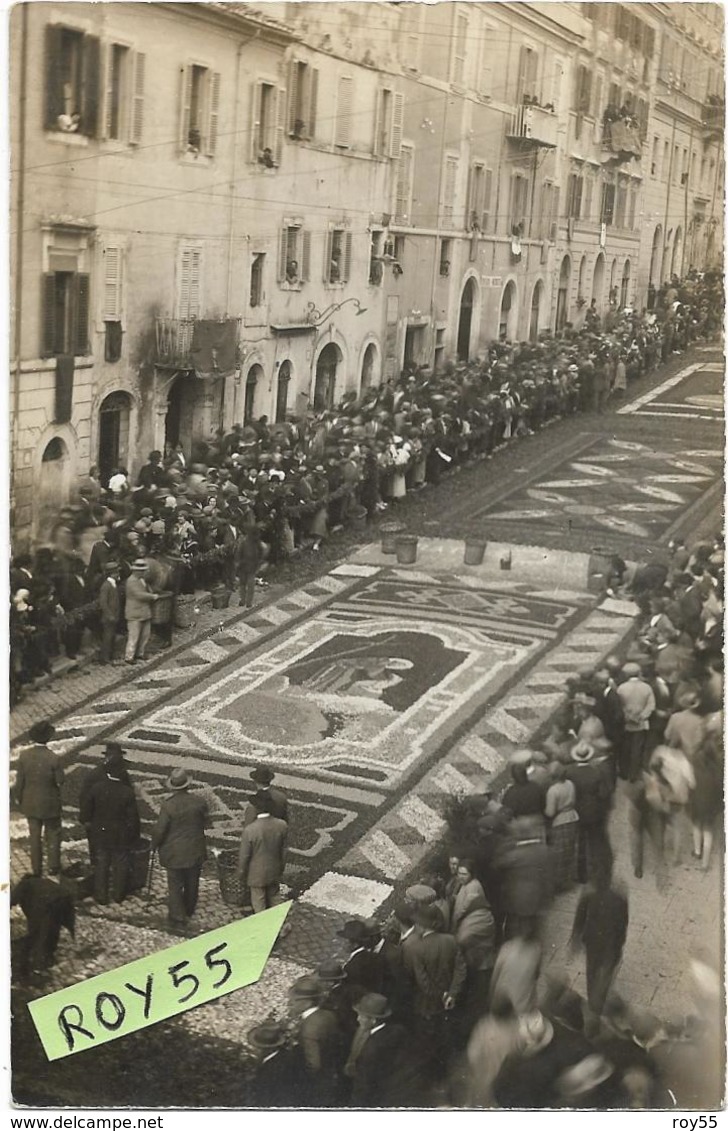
x,y
582,751
687,698
267,1036
359,930
262,775
535,1032
140,564
178,779
421,894
42,732
307,988
583,1077
375,1006
331,971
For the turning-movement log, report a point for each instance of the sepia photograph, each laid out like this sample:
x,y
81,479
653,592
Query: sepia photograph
x,y
366,482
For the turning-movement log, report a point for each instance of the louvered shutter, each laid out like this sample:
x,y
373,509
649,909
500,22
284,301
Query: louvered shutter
x,y
313,81
282,254
344,105
214,114
90,85
295,97
404,177
487,193
397,123
597,107
469,196
106,115
195,283
306,257
137,98
448,204
378,121
48,315
256,95
280,121
53,79
578,190
328,248
81,312
112,285
185,108
554,228
347,257
588,192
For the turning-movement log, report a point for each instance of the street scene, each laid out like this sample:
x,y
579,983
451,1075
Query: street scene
x,y
403,607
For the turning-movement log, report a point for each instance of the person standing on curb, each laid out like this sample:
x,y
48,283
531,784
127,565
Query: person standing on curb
x,y
179,835
38,780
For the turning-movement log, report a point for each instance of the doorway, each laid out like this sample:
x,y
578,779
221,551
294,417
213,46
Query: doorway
x,y
181,403
535,311
465,322
326,368
114,416
562,298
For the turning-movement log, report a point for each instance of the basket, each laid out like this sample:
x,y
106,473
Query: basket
x,y
232,889
162,608
406,547
389,532
185,615
474,551
358,518
139,864
220,597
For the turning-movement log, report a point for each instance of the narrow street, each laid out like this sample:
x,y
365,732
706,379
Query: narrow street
x,y
376,691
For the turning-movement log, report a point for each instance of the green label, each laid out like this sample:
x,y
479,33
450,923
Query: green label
x,y
161,985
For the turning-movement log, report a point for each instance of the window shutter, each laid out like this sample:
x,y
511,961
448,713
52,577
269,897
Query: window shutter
x,y
578,190
554,229
195,282
185,107
378,121
282,253
295,95
280,111
347,257
91,83
137,99
397,122
306,257
469,196
48,315
328,247
54,85
588,192
313,80
557,81
112,285
404,180
108,90
597,108
487,193
256,95
448,204
214,116
344,101
81,312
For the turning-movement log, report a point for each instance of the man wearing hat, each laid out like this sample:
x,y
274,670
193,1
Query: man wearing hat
x,y
275,1069
320,1041
109,599
277,800
594,785
38,780
138,611
179,835
638,704
438,972
112,752
262,854
383,1066
111,817
366,971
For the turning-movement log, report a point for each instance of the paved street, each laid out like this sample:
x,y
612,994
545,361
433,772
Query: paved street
x,y
376,691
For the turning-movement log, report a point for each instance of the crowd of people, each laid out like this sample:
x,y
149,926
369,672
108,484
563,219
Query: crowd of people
x,y
224,512
444,1002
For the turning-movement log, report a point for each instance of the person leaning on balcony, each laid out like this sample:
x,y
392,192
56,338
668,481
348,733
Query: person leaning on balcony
x,y
138,612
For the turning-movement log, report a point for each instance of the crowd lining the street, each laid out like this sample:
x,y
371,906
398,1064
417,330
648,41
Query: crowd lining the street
x,y
224,513
443,1003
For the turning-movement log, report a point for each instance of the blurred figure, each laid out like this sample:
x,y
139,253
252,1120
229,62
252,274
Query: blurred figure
x,y
47,907
600,928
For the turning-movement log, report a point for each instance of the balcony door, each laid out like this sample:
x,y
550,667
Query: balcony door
x,y
181,404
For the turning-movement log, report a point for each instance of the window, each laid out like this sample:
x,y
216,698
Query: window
x,y
189,287
666,161
445,257
266,140
409,34
476,212
72,66
256,278
117,90
621,206
586,210
112,298
200,110
65,313
388,123
527,74
655,168
607,208
632,209
294,257
337,265
484,80
615,96
284,381
449,191
376,267
519,205
574,190
460,39
302,99
344,112
642,113
547,217
123,114
439,348
405,170
582,92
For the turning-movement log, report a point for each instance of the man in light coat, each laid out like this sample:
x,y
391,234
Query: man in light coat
x,y
38,781
638,705
180,837
262,855
138,612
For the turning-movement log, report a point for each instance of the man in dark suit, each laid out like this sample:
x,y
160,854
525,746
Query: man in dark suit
x,y
366,971
384,1065
112,751
438,972
72,596
278,802
180,837
38,796
275,1070
262,854
109,811
321,1042
608,708
102,553
109,598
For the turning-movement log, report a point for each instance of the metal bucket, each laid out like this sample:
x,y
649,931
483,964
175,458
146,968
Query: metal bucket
x,y
406,549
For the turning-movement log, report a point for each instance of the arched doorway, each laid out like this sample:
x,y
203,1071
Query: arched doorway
x,y
676,260
582,280
508,313
598,281
255,374
535,311
181,404
465,322
53,484
114,415
562,297
284,381
613,292
655,257
624,286
667,257
326,367
367,367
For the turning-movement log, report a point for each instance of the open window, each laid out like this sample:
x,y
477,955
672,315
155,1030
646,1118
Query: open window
x,y
124,81
72,86
302,100
65,313
200,110
294,254
337,265
388,123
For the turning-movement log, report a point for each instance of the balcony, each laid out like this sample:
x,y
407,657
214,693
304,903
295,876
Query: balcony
x,y
713,117
208,346
533,127
621,138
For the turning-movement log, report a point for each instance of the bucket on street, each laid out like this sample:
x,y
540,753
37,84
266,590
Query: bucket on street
x,y
406,549
474,551
390,532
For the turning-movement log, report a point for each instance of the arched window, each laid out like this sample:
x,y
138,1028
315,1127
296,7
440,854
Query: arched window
x,y
535,311
598,280
284,380
55,450
326,367
582,278
562,298
508,313
255,373
367,366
